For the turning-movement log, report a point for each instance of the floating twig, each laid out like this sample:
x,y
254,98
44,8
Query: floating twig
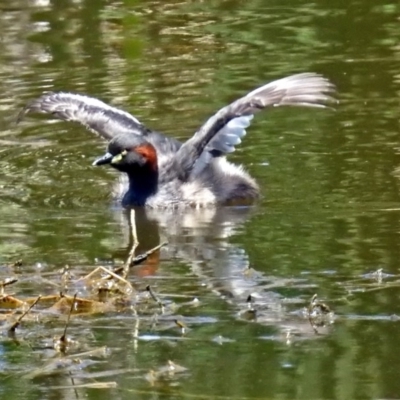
x,y
62,343
15,325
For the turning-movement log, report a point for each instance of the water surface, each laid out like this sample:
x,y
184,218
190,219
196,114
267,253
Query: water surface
x,y
328,217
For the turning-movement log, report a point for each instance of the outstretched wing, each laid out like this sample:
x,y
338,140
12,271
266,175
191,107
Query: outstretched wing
x,y
92,113
224,130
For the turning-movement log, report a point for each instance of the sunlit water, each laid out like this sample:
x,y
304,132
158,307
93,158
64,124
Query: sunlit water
x,y
327,221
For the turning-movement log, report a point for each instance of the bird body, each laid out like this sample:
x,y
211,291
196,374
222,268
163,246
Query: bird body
x,y
162,172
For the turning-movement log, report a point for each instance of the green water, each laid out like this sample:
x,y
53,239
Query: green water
x,y
328,217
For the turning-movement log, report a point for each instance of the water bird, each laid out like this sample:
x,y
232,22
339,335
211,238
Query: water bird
x,y
162,172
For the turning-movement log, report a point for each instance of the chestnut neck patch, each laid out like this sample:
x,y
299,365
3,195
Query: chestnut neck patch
x,y
149,153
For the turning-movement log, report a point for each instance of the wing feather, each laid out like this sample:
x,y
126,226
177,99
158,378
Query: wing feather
x,y
226,128
92,113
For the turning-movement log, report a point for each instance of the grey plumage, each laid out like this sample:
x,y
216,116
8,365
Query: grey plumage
x,y
195,173
95,115
307,89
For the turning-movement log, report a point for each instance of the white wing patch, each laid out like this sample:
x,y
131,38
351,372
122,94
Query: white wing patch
x,y
224,141
230,135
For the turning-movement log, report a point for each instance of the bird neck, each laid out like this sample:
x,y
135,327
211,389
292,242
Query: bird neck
x,y
143,183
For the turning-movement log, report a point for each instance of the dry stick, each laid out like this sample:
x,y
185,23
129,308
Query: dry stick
x,y
135,241
107,271
132,223
141,257
92,385
155,298
61,344
6,282
64,336
15,324
125,268
181,325
132,260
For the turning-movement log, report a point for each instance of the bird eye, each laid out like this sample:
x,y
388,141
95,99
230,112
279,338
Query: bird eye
x,y
124,152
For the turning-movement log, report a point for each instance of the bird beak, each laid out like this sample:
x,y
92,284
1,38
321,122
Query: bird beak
x,y
105,159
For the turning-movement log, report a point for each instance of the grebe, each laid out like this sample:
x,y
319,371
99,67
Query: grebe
x,y
163,172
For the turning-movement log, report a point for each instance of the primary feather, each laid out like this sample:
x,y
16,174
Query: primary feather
x,y
92,113
219,132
